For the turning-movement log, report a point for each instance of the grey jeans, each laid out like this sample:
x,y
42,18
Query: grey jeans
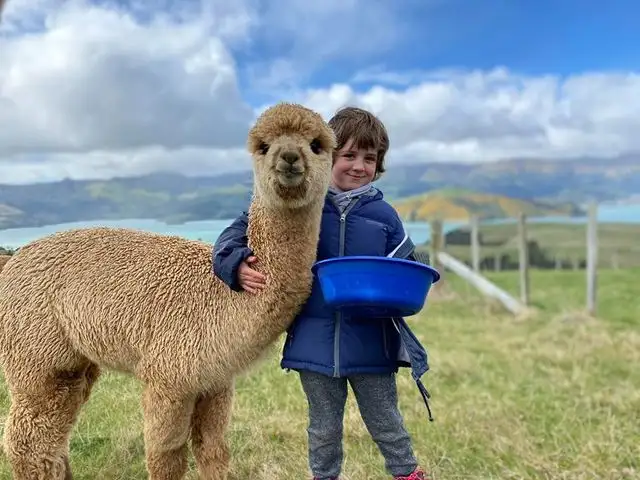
x,y
377,400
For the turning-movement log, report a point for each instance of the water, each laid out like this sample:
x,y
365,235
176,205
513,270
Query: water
x,y
203,230
208,230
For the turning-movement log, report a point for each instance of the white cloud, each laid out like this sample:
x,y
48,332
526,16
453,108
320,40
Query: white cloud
x,y
96,78
481,116
96,90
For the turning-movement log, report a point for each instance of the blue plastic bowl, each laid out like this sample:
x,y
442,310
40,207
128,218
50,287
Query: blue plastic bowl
x,y
369,286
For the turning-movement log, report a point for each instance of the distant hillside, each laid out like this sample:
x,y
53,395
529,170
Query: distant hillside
x,y
9,214
168,197
572,180
177,198
457,204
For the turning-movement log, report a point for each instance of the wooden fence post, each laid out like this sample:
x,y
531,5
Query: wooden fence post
x,y
435,246
475,244
592,258
524,258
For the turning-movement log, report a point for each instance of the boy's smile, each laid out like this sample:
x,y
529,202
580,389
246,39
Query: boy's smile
x,y
353,167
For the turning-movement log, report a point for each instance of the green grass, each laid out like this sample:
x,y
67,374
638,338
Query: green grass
x,y
554,397
564,293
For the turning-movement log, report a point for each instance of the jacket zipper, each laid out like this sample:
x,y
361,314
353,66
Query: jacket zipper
x,y
338,320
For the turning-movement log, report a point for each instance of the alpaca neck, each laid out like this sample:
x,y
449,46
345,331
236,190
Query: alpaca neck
x,y
285,244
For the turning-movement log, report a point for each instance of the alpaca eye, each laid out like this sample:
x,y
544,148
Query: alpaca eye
x,y
263,148
315,146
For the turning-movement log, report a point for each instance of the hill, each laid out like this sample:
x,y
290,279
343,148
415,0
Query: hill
x,y
458,204
176,198
571,180
169,197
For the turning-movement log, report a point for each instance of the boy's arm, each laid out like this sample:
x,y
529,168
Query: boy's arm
x,y
399,244
230,250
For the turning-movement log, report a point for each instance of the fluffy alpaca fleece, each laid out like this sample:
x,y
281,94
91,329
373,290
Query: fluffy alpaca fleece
x,y
83,300
4,258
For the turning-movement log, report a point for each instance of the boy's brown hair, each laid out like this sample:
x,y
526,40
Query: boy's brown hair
x,y
366,130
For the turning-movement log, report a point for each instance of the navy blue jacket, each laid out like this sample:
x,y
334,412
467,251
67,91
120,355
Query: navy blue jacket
x,y
320,339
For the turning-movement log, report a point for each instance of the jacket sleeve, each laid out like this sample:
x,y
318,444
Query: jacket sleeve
x,y
230,250
399,244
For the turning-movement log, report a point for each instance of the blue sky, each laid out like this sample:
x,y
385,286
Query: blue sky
x,y
93,88
560,37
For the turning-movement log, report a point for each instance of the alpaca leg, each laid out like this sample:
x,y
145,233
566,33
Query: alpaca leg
x,y
91,374
167,419
39,424
210,420
68,475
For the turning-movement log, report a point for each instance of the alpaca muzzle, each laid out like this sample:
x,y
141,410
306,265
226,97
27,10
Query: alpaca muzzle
x,y
290,168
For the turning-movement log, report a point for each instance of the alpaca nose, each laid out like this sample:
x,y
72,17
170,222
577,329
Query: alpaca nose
x,y
290,157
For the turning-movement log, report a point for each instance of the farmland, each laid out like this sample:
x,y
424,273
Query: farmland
x,y
555,396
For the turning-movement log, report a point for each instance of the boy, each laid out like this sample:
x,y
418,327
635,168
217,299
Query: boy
x,y
328,349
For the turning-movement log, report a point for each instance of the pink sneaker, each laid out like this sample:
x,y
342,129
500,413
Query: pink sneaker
x,y
418,474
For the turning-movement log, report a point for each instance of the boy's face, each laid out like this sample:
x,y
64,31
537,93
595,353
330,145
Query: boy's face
x,y
353,167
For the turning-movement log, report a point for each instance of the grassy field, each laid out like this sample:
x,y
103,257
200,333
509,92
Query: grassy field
x,y
553,397
618,243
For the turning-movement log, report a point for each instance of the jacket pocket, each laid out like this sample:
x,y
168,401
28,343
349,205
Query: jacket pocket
x,y
372,238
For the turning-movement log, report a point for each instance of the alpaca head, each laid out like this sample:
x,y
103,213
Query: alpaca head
x,y
292,149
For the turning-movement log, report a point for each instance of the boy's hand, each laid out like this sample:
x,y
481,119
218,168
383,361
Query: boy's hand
x,y
250,280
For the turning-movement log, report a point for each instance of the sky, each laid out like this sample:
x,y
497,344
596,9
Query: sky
x,y
102,88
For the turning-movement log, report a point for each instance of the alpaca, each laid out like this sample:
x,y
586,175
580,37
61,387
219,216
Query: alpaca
x,y
79,301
